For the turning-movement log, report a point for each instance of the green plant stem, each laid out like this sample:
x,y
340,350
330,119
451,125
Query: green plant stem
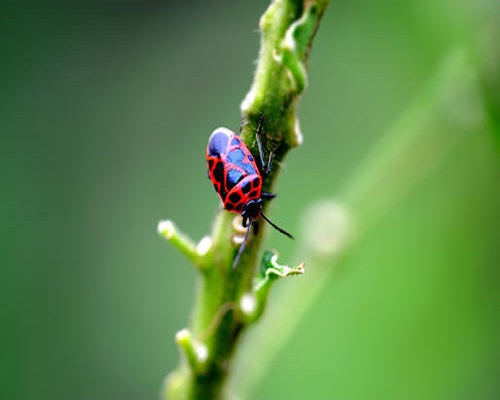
x,y
226,301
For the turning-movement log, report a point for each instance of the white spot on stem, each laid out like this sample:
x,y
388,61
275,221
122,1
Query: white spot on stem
x,y
248,100
289,42
298,133
201,352
238,224
239,229
182,335
204,246
248,303
277,57
166,228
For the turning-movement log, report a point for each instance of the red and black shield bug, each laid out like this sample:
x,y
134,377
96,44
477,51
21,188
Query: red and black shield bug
x,y
237,179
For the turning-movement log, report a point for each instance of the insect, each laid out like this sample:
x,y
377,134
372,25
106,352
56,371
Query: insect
x,y
237,180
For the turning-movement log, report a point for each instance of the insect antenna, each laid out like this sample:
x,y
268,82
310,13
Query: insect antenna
x,y
276,226
243,245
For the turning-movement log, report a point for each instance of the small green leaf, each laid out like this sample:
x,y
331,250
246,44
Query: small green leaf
x,y
270,269
253,304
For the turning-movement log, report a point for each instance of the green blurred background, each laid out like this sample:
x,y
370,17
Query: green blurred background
x,y
106,108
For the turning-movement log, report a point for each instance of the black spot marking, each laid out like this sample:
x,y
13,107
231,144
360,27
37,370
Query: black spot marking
x,y
218,172
256,183
217,144
235,141
252,194
229,206
234,198
210,164
250,157
222,193
246,187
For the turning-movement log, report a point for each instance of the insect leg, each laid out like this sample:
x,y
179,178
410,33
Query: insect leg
x,y
242,124
259,144
267,195
269,163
